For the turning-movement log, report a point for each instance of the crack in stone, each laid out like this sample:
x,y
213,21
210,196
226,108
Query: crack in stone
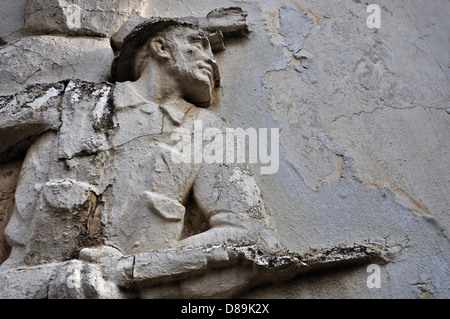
x,y
359,113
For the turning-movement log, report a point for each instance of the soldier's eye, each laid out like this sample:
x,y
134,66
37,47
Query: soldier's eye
x,y
199,41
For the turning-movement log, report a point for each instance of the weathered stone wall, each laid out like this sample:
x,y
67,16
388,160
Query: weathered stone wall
x,y
363,115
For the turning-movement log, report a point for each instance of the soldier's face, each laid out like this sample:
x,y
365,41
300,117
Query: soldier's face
x,y
194,65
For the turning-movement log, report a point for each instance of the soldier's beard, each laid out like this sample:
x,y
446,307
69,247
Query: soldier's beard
x,y
195,83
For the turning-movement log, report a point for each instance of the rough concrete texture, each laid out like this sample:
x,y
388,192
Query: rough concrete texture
x,y
12,16
78,17
48,59
364,142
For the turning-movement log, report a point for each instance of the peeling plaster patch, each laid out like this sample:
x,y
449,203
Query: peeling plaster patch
x,y
272,25
100,107
294,27
308,71
327,140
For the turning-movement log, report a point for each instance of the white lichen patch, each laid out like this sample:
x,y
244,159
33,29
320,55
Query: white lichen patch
x,y
40,101
99,109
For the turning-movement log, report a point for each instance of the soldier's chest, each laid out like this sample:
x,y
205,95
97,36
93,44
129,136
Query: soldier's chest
x,y
145,121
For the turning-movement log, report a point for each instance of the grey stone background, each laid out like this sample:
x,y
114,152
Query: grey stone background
x,y
364,116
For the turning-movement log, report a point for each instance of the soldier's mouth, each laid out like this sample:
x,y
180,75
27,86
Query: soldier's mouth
x,y
208,70
206,67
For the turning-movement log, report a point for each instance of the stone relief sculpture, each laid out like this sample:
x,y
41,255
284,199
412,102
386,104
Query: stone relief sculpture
x,y
101,208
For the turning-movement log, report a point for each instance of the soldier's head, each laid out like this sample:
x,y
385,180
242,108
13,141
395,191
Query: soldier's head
x,y
178,49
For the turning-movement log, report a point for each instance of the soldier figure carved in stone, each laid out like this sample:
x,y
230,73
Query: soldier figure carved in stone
x,y
99,177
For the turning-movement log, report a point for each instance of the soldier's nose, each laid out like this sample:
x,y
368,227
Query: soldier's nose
x,y
216,73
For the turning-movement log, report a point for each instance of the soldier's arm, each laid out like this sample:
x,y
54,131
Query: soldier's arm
x,y
26,115
227,195
230,199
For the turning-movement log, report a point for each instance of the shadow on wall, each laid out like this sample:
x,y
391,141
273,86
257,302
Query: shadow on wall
x,y
9,175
